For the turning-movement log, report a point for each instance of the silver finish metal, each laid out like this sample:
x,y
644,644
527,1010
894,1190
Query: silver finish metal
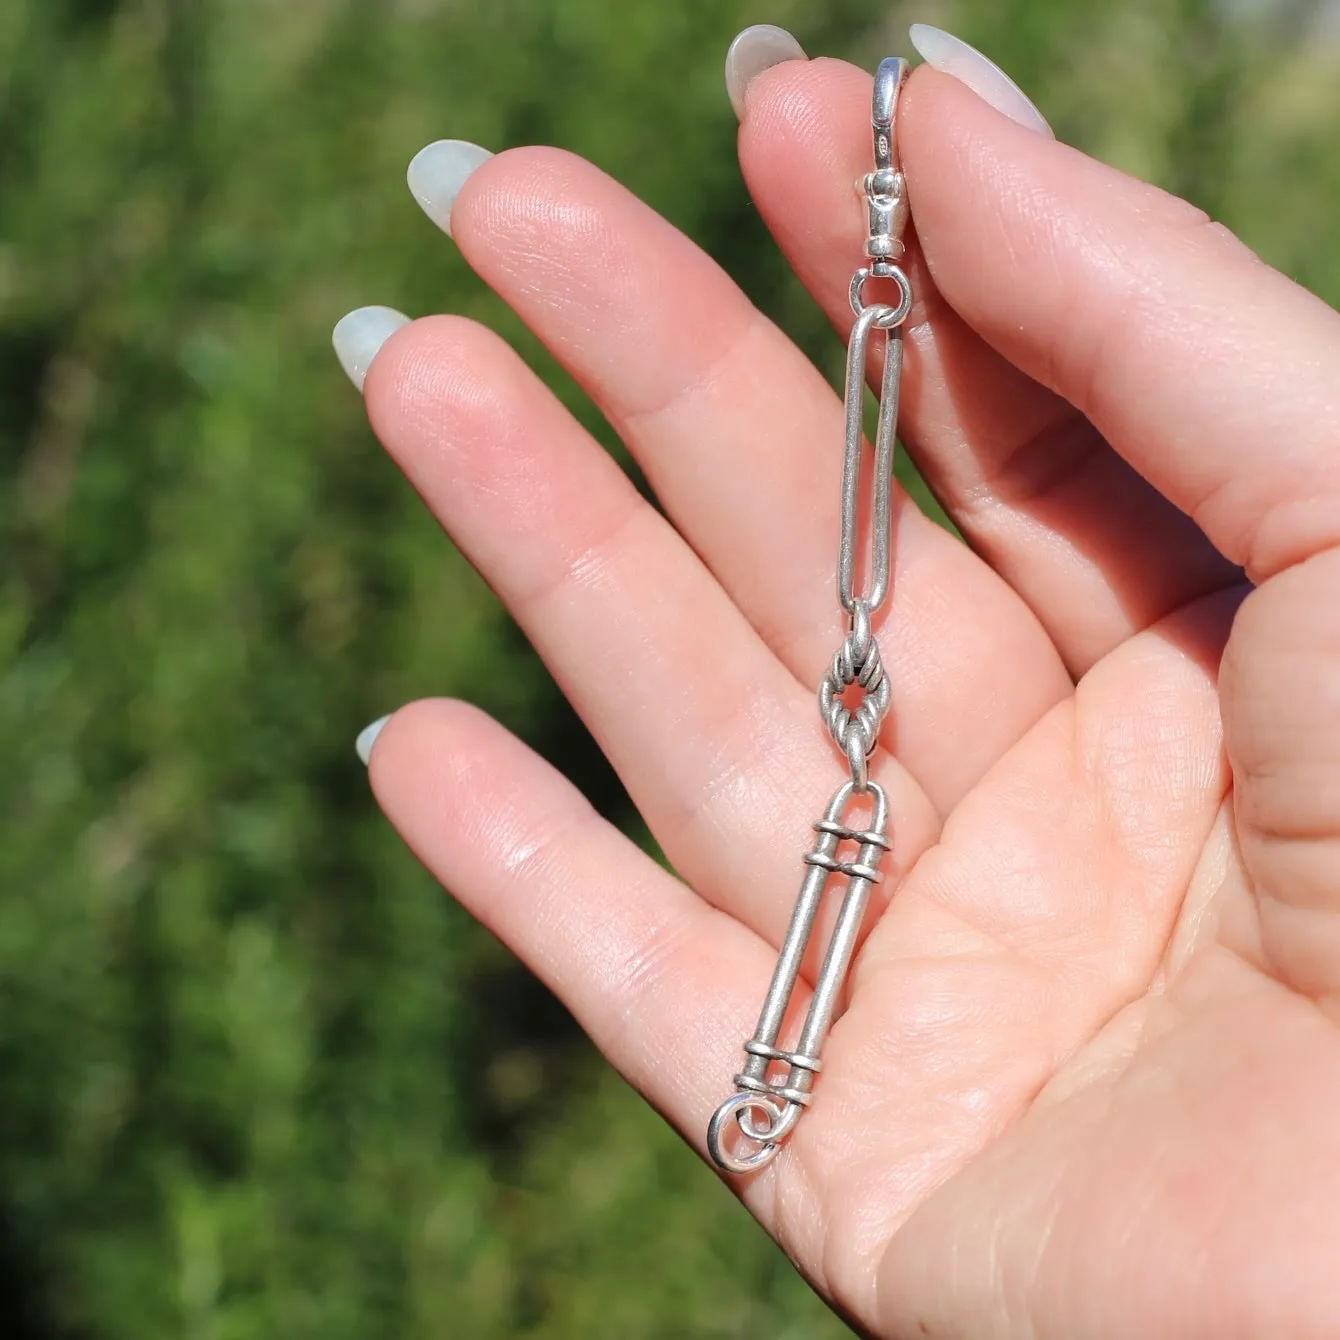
x,y
856,661
780,1101
893,316
885,433
885,189
774,1087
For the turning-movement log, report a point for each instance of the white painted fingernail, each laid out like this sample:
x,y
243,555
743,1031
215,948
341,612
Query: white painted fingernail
x,y
757,49
437,173
951,55
358,336
367,737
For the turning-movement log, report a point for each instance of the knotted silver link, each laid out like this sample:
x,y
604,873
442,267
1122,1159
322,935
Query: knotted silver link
x,y
773,1088
857,661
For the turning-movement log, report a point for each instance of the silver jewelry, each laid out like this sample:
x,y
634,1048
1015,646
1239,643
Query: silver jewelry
x,y
774,1088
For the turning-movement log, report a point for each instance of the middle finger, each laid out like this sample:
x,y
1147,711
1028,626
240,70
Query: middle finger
x,y
739,435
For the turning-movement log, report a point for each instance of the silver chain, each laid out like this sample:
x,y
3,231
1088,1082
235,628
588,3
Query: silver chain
x,y
774,1087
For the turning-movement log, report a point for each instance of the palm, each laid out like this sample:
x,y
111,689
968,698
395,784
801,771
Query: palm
x,y
1036,1096
1089,986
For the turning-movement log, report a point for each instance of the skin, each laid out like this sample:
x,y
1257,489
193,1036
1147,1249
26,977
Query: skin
x,y
1087,1079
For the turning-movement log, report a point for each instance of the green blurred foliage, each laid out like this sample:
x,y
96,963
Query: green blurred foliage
x,y
258,1076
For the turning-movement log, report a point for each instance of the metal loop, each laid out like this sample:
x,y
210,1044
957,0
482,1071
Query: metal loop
x,y
778,1128
891,316
836,867
856,835
857,661
790,1058
881,511
734,1108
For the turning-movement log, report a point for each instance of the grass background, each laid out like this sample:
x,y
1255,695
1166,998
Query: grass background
x,y
258,1075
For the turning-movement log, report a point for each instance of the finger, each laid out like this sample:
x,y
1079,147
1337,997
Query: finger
x,y
740,437
1213,375
1282,723
658,979
1025,477
709,732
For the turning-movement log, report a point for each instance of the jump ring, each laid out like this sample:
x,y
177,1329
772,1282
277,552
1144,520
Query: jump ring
x,y
896,315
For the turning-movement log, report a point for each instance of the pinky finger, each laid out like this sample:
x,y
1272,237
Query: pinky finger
x,y
660,980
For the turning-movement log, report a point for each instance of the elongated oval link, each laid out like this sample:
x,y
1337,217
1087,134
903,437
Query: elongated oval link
x,y
782,1100
881,512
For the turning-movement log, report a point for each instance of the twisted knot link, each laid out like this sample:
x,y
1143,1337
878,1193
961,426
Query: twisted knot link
x,y
857,661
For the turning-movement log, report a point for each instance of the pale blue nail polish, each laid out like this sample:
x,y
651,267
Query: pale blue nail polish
x,y
367,737
754,50
358,336
437,173
953,56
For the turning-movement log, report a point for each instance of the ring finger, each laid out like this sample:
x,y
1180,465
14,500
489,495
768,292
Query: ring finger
x,y
707,729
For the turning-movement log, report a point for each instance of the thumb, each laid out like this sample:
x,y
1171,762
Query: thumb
x,y
1215,377
1280,685
1211,373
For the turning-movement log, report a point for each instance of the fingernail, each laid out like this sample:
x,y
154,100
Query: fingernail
x,y
757,49
437,173
358,336
951,55
367,737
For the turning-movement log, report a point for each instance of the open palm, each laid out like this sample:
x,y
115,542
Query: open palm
x,y
1087,1079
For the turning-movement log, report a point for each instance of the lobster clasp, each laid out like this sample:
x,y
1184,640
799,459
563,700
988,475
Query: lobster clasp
x,y
885,189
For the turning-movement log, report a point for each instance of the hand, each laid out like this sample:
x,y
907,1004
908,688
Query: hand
x,y
1088,1079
